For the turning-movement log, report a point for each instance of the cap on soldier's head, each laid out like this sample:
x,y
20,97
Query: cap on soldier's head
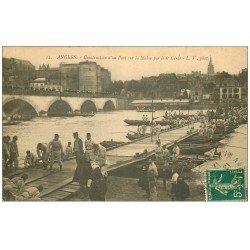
x,y
88,134
75,133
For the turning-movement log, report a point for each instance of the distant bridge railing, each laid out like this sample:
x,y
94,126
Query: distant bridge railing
x,y
65,93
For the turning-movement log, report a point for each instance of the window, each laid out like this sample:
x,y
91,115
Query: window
x,y
224,90
236,90
236,96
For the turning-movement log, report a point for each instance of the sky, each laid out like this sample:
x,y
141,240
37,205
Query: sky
x,y
127,63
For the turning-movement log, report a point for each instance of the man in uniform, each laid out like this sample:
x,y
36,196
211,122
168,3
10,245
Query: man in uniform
x,y
30,160
158,151
89,148
43,153
100,154
56,151
176,152
14,153
78,147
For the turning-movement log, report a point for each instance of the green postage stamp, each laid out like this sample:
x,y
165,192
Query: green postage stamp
x,y
225,184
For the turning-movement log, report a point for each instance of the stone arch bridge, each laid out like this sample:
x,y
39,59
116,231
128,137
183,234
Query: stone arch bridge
x,y
49,105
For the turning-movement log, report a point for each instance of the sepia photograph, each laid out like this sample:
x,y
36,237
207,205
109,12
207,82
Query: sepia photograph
x,y
116,124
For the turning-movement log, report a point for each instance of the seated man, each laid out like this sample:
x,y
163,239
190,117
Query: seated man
x,y
68,151
30,160
100,154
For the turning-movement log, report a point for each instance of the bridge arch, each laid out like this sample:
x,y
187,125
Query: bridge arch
x,y
109,105
19,106
88,106
59,108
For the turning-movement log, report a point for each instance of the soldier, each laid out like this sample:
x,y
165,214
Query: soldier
x,y
89,148
56,151
14,152
42,151
30,160
78,147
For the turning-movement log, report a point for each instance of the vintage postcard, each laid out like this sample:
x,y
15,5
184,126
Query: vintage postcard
x,y
124,123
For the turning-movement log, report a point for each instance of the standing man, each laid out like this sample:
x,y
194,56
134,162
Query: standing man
x,y
176,152
100,154
56,151
14,152
181,190
78,147
97,184
6,151
152,175
158,151
42,151
89,148
144,128
158,131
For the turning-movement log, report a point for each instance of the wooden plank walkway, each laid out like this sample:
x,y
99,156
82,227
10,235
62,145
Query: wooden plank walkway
x,y
58,184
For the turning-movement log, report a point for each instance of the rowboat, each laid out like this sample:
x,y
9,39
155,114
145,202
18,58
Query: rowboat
x,y
88,114
111,144
141,122
195,148
9,123
135,136
198,139
183,164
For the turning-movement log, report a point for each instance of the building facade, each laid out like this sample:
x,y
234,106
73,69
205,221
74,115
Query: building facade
x,y
85,76
69,76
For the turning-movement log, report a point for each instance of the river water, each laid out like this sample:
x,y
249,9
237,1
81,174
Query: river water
x,y
103,126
